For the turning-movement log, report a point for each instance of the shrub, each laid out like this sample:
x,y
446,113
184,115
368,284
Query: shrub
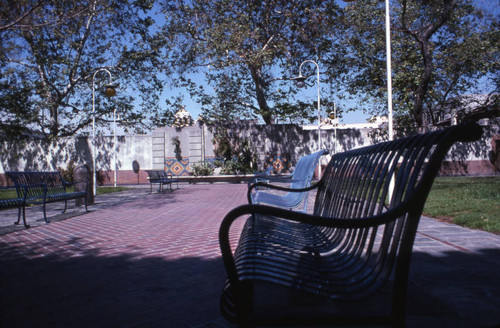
x,y
202,169
67,173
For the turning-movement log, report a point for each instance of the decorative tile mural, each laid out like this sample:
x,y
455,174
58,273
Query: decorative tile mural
x,y
177,167
279,162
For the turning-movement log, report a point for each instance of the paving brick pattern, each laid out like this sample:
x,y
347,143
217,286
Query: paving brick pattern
x,y
153,262
141,260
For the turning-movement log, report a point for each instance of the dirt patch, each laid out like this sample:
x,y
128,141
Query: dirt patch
x,y
444,219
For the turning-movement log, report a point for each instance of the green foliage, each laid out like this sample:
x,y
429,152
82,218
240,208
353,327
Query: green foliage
x,y
247,51
230,168
67,173
440,50
11,193
235,58
222,145
471,202
237,155
48,61
202,169
176,142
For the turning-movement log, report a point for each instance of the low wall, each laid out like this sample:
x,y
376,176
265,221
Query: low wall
x,y
289,142
466,168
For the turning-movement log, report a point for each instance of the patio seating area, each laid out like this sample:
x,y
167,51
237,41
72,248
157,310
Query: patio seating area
x,y
153,260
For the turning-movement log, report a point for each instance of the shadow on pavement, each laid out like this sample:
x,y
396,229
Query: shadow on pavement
x,y
118,291
94,290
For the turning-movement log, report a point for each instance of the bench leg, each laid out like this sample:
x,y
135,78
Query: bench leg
x,y
45,213
18,216
85,202
23,210
150,188
65,206
24,218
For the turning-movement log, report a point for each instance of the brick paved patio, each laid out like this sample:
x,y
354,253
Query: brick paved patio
x,y
141,260
154,262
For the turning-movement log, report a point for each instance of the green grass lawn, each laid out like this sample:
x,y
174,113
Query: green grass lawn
x,y
469,202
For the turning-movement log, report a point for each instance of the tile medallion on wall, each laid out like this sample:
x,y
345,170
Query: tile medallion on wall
x,y
177,167
279,162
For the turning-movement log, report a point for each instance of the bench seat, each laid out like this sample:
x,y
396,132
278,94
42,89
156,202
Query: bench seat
x,y
11,203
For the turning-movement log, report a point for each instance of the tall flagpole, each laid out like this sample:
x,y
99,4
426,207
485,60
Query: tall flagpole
x,y
389,69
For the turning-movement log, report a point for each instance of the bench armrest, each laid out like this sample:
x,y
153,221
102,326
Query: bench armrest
x,y
66,183
284,178
270,186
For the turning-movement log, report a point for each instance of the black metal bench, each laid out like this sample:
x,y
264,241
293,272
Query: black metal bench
x,y
348,262
161,178
43,188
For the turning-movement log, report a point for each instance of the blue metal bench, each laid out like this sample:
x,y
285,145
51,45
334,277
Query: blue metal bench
x,y
161,178
44,188
348,262
298,183
18,203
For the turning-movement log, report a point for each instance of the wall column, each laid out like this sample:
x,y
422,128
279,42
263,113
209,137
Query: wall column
x,y
158,140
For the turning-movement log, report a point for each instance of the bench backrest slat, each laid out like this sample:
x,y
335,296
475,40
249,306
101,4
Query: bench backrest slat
x,y
38,184
366,182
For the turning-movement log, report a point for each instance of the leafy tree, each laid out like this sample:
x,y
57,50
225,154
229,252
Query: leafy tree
x,y
50,51
440,50
241,50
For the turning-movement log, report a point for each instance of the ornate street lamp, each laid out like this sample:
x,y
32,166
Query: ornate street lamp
x,y
109,91
300,82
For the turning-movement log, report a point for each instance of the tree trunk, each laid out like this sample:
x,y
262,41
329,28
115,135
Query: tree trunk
x,y
261,95
423,37
54,124
423,85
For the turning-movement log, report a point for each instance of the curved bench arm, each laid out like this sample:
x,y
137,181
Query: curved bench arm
x,y
66,183
270,186
284,178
